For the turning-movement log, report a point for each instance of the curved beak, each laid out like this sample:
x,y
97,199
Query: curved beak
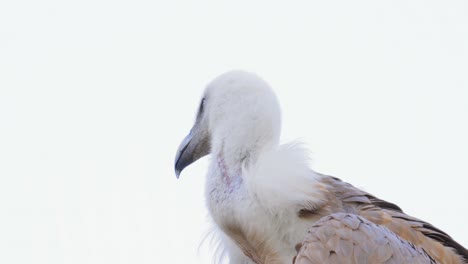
x,y
194,146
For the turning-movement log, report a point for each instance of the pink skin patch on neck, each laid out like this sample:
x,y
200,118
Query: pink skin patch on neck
x,y
232,182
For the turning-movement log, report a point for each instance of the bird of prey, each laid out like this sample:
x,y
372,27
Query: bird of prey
x,y
268,203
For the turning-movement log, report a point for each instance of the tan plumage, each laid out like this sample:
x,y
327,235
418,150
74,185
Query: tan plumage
x,y
355,222
348,238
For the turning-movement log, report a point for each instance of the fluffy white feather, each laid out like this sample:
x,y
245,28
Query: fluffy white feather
x,y
281,178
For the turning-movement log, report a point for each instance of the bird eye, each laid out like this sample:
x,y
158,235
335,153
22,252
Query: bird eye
x,y
200,109
202,104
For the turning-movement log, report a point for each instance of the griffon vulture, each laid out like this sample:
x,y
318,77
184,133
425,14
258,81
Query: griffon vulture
x,y
269,205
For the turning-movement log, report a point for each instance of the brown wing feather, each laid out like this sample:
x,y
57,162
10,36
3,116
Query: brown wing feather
x,y
348,238
435,242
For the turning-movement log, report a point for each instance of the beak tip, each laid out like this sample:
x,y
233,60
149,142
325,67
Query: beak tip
x,y
177,173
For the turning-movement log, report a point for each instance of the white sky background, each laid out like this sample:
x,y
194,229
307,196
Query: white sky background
x,y
95,97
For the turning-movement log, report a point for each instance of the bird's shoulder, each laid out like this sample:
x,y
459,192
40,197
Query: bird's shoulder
x,y
345,198
349,238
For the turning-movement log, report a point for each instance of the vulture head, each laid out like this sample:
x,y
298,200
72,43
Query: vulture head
x,y
238,116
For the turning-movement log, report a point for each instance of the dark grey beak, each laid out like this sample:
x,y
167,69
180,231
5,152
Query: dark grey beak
x,y
183,159
194,146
